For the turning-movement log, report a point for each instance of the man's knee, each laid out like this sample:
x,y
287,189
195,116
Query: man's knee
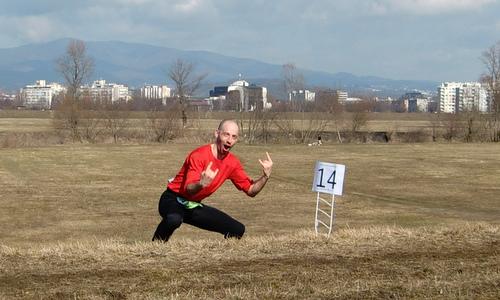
x,y
173,221
166,227
237,231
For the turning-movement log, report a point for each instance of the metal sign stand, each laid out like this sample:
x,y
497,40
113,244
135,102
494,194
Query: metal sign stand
x,y
328,179
330,216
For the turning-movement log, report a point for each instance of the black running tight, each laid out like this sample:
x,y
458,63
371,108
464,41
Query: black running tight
x,y
205,217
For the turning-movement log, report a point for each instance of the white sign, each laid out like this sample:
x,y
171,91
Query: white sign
x,y
328,178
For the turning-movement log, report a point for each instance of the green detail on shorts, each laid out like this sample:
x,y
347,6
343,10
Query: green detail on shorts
x,y
188,204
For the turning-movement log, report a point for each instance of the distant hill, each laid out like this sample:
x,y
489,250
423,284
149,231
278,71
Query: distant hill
x,y
134,64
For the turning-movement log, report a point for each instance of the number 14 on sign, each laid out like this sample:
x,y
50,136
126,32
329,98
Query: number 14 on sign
x,y
328,178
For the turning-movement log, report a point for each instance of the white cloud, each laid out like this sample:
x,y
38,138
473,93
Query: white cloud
x,y
31,28
133,2
426,6
188,6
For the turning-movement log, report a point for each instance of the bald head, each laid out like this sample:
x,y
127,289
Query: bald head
x,y
227,122
226,136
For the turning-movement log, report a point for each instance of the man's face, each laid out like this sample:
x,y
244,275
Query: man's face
x,y
226,137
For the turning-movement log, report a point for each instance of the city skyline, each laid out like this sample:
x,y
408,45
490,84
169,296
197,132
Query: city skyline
x,y
439,40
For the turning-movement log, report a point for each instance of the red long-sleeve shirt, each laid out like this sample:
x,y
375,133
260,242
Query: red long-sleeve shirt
x,y
197,161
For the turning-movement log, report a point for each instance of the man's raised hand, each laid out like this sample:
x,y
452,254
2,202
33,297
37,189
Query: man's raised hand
x,y
267,165
207,176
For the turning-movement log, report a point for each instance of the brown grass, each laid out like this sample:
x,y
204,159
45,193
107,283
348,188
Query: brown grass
x,y
25,125
458,262
416,221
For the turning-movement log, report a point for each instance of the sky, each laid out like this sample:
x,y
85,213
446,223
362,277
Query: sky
x,y
440,40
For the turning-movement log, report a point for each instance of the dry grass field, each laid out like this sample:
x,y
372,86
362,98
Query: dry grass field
x,y
34,121
25,125
416,221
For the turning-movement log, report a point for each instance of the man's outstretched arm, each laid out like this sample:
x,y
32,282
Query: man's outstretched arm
x,y
258,185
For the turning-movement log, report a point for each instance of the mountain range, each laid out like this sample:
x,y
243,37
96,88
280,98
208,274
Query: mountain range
x,y
135,64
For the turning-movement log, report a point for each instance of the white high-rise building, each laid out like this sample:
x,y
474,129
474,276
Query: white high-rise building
x,y
416,102
251,95
41,94
100,90
162,92
301,95
341,96
447,94
456,97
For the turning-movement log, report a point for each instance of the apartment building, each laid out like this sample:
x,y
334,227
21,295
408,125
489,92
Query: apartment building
x,y
341,95
40,95
416,102
102,91
301,95
158,92
306,95
456,97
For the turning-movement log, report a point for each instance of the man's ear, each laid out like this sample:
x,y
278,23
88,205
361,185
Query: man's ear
x,y
216,133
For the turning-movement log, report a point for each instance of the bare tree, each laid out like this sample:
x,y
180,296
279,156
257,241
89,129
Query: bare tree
x,y
452,126
359,119
90,125
311,126
67,117
491,59
360,115
286,125
328,101
76,67
267,119
470,122
300,127
165,124
116,120
250,131
186,83
436,126
293,80
256,125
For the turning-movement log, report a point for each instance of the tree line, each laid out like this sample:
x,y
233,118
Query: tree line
x,y
83,118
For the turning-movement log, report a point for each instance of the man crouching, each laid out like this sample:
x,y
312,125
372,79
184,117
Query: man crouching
x,y
203,172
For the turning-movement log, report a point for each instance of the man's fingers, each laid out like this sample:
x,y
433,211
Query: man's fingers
x,y
208,166
269,160
268,156
215,173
